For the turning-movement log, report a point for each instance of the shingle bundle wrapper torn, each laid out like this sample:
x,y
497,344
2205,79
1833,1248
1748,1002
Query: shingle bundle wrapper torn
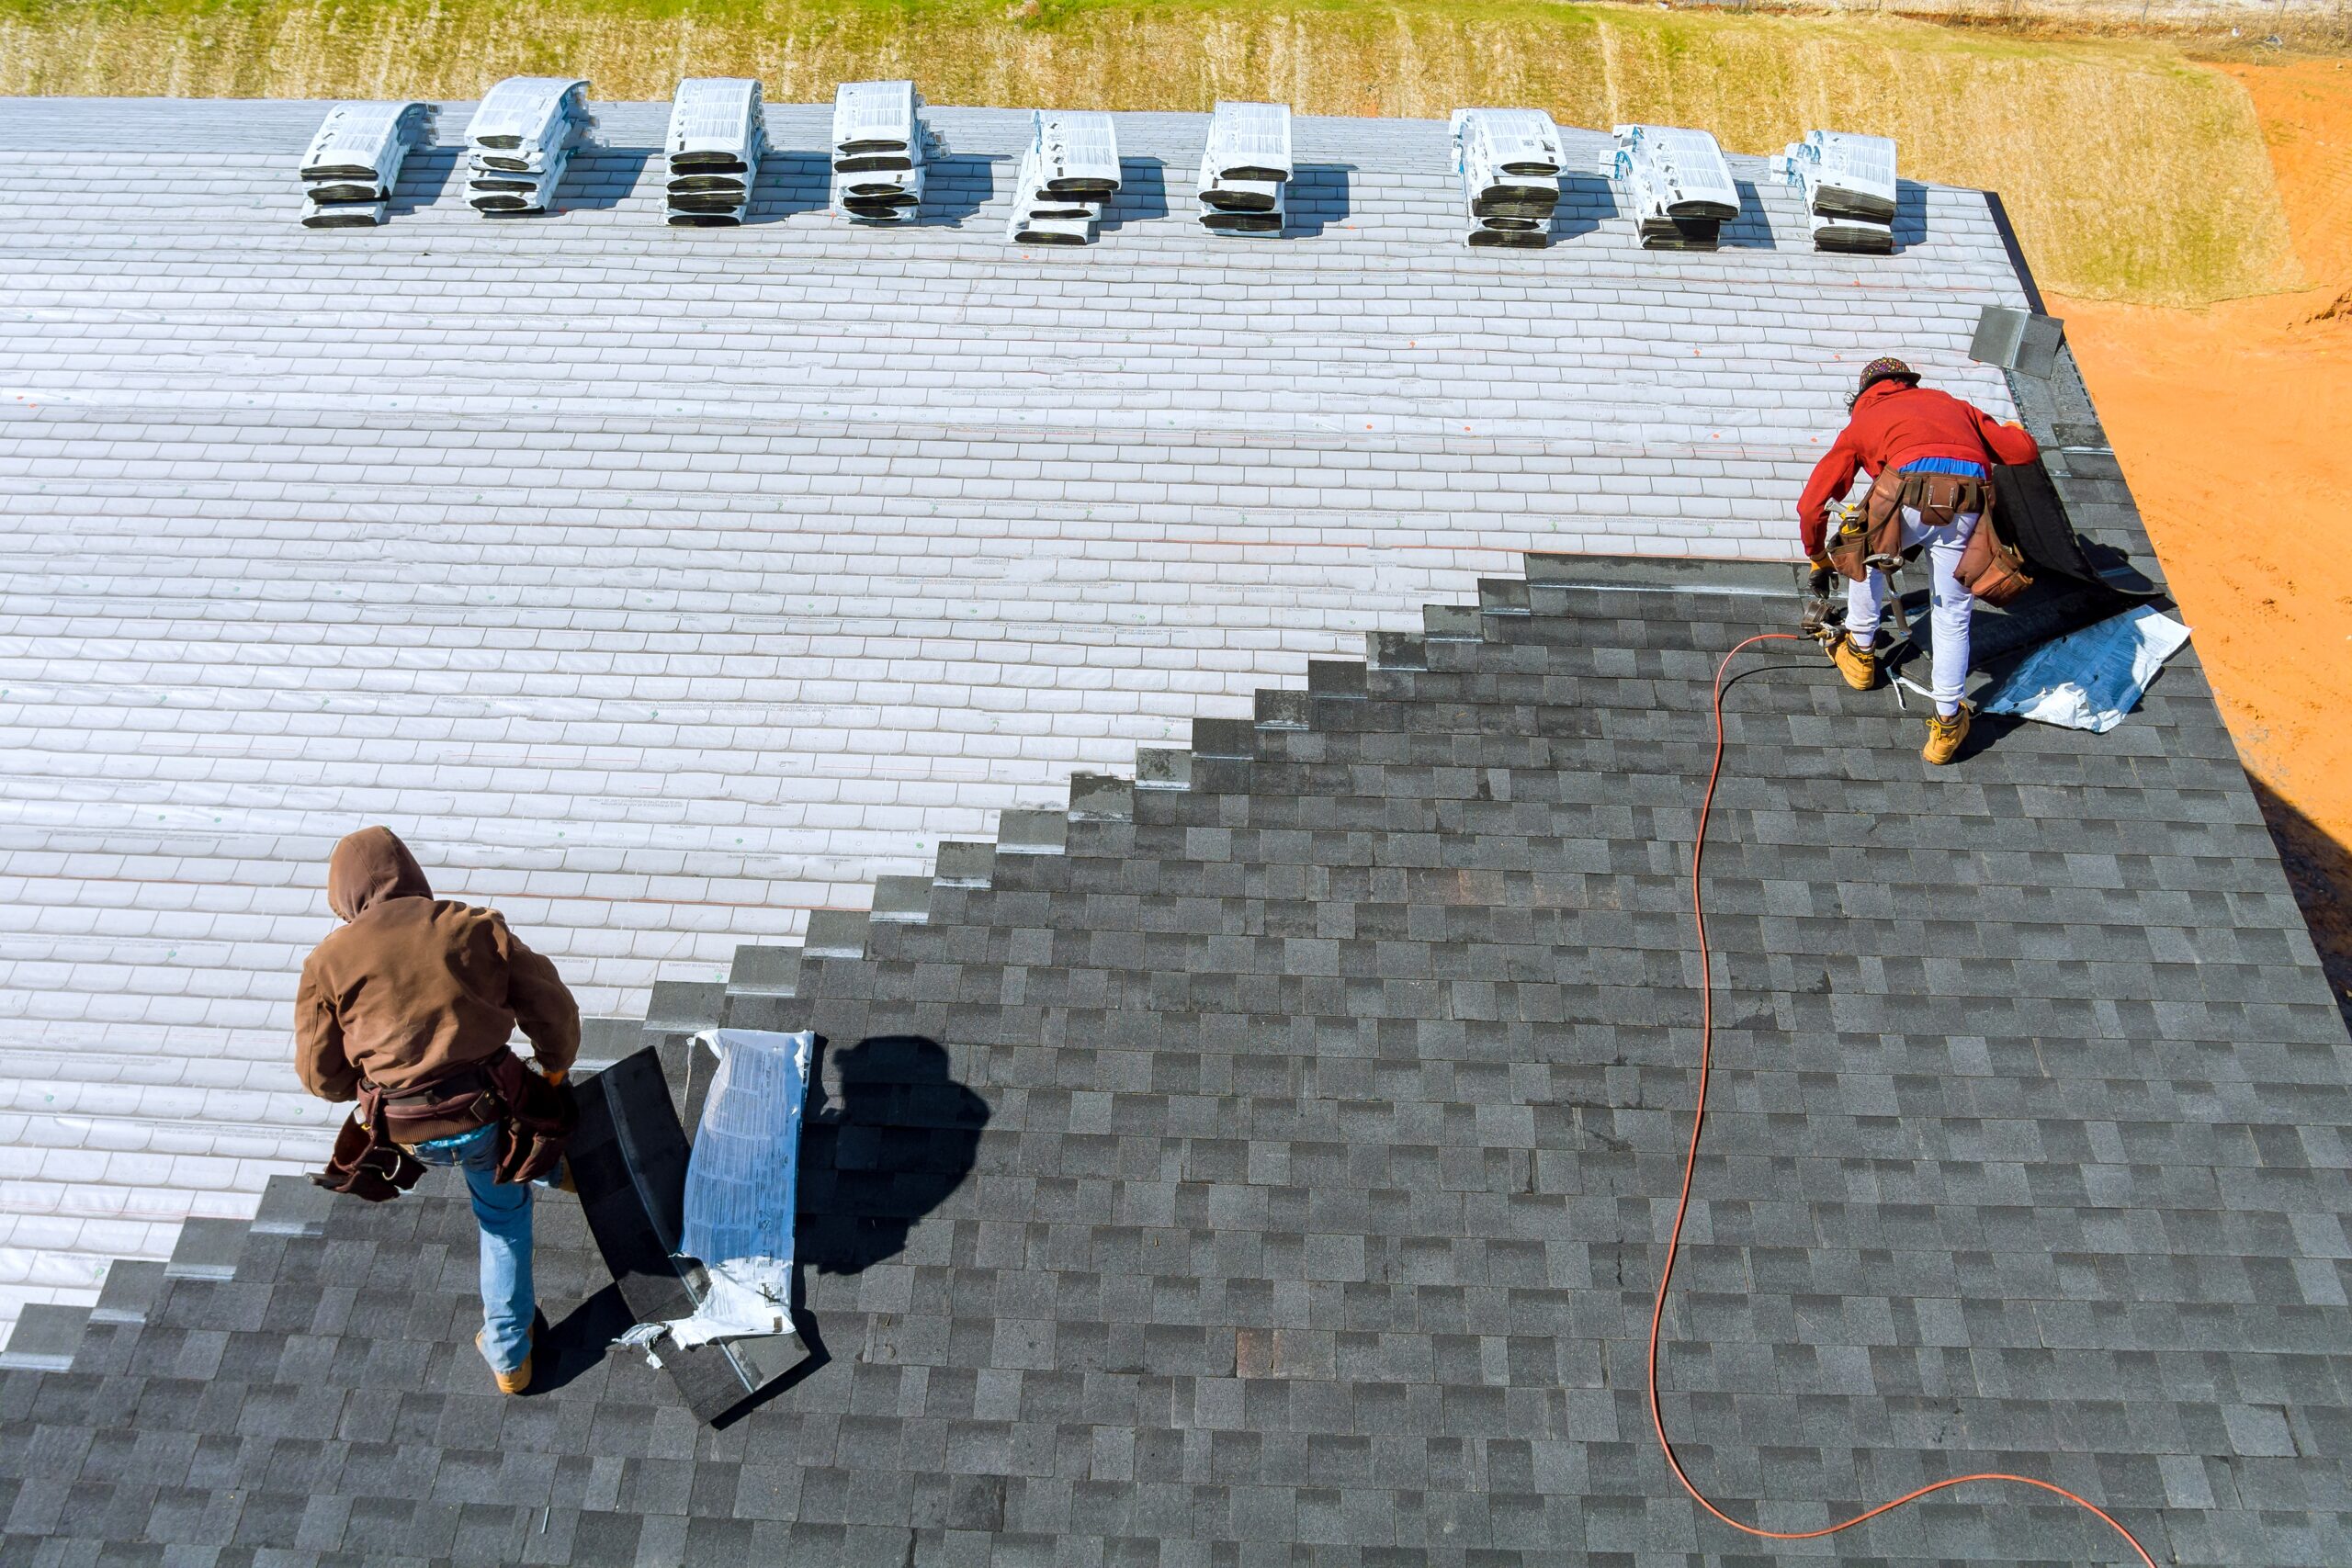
x,y
717,131
351,167
741,1176
522,138
1848,185
1246,169
1510,162
1068,172
1676,180
881,146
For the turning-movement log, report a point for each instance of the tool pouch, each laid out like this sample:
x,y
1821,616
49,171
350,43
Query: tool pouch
x,y
1872,534
539,1119
1939,498
365,1165
1992,568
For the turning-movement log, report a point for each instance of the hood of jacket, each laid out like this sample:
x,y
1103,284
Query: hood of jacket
x,y
367,868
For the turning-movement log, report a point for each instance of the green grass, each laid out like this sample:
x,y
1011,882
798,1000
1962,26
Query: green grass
x,y
2131,173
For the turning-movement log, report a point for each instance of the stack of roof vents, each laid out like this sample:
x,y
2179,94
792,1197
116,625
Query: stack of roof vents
x,y
717,129
880,145
1509,163
1246,169
355,160
1071,169
1679,187
1848,185
522,136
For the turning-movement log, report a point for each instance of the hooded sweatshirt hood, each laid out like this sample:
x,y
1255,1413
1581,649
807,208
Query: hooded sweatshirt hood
x,y
367,868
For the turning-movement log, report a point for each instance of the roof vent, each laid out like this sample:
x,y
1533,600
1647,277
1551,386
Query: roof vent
x,y
1846,183
1068,171
522,136
717,131
355,161
1246,169
880,147
1509,162
1679,187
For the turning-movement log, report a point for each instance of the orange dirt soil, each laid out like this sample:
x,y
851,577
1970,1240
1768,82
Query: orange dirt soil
x,y
2234,427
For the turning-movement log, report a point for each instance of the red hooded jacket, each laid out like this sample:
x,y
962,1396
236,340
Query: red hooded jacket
x,y
1899,423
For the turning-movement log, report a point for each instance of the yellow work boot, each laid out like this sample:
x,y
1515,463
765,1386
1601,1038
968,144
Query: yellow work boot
x,y
1944,735
1858,665
519,1379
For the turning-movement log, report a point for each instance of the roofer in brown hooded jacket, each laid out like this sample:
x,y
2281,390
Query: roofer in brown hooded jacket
x,y
407,1009
1928,454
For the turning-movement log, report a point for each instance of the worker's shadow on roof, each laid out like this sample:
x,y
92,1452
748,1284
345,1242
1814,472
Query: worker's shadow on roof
x,y
889,1134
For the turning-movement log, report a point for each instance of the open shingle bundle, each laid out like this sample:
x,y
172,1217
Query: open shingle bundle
x,y
1847,182
717,131
1068,171
1677,184
1246,169
880,147
521,138
355,161
1509,163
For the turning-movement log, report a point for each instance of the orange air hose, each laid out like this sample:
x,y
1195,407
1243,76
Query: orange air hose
x,y
1682,1205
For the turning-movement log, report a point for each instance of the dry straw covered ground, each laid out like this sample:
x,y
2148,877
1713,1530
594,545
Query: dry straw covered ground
x,y
2067,131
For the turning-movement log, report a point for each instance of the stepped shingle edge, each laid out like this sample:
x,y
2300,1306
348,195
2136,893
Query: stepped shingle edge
x,y
2067,1203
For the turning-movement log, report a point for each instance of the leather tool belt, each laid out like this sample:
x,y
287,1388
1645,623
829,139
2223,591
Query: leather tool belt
x,y
535,1119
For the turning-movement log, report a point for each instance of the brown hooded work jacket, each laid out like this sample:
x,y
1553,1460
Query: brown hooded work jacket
x,y
412,986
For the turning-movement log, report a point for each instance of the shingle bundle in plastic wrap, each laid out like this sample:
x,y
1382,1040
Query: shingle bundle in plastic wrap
x,y
522,138
353,162
717,131
742,1181
881,147
1509,162
1677,184
1246,169
1847,182
1068,171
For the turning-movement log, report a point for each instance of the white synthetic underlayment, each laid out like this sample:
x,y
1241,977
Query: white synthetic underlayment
x,y
659,585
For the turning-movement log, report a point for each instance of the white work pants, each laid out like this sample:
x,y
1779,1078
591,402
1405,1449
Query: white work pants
x,y
1953,603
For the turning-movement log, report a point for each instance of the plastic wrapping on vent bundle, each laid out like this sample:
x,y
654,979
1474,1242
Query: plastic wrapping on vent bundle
x,y
742,1181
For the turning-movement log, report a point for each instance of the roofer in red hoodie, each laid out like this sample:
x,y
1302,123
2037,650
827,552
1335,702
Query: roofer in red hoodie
x,y
1929,453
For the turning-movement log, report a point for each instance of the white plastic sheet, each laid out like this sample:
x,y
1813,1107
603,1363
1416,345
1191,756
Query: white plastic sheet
x,y
740,1184
2090,679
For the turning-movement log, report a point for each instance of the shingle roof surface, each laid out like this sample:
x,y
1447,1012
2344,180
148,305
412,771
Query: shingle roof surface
x,y
1335,1106
659,585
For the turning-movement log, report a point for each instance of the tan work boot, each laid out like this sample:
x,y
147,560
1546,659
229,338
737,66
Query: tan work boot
x,y
519,1379
1858,665
1944,735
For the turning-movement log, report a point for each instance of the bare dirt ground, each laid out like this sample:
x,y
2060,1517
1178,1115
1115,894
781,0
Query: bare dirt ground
x,y
2235,427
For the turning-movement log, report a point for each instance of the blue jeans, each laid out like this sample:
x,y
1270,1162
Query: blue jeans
x,y
505,1216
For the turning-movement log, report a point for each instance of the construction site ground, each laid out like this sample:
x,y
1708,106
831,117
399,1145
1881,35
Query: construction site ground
x,y
2230,421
